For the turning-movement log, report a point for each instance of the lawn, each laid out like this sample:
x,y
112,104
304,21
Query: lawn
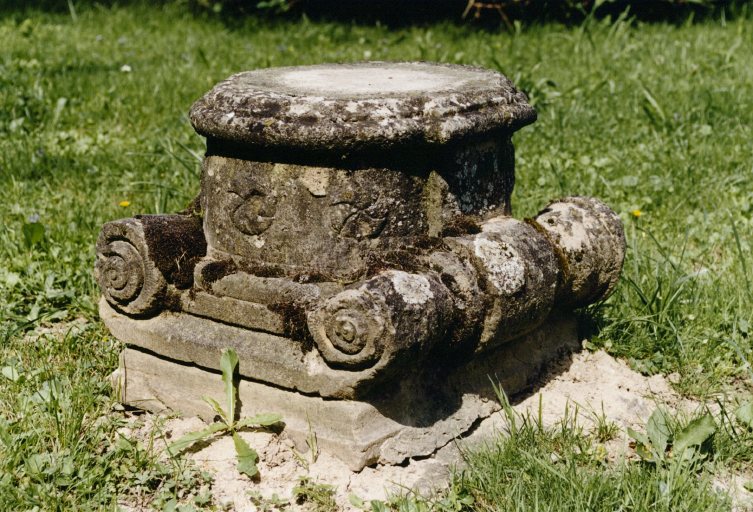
x,y
654,119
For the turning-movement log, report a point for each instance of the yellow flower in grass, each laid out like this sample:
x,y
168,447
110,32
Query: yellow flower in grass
x,y
636,213
125,203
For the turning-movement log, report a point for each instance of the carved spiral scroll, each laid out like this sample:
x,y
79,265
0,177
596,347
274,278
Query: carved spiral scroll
x,y
126,274
352,328
123,271
388,321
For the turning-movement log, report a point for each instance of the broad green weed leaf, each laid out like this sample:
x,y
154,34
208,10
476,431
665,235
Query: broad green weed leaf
x,y
645,452
217,408
745,414
67,467
37,464
10,373
33,233
378,506
33,313
123,444
12,279
658,431
638,436
228,364
47,393
247,457
190,438
356,501
642,445
694,434
467,500
260,420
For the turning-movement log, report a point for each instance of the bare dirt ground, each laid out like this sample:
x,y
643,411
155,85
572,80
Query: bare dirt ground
x,y
588,385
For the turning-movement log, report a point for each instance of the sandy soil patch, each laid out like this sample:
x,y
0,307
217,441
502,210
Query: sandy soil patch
x,y
591,385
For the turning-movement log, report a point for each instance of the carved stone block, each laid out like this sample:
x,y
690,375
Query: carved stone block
x,y
353,240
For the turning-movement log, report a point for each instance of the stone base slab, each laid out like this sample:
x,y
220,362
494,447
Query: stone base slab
x,y
413,419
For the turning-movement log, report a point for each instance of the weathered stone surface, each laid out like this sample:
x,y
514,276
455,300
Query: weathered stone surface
x,y
422,416
344,106
288,219
471,292
264,357
353,240
138,258
349,429
519,272
392,315
261,290
267,215
591,242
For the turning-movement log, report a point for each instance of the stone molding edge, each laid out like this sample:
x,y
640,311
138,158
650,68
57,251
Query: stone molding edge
x,y
273,119
360,433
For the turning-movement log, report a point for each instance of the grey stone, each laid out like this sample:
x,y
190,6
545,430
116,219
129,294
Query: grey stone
x,y
376,104
142,261
343,344
589,237
265,357
419,418
353,242
265,216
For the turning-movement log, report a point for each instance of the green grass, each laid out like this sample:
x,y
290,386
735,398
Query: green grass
x,y
564,468
656,118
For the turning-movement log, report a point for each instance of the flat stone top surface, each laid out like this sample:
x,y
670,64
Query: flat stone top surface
x,y
365,81
372,104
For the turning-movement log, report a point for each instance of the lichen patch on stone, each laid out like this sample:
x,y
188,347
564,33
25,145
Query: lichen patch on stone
x,y
315,180
413,288
351,106
574,235
506,269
